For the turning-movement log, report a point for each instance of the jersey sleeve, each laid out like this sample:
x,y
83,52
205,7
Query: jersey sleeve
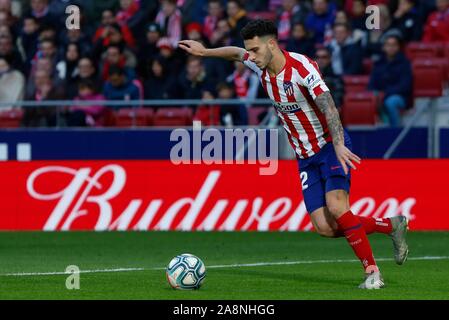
x,y
251,64
311,78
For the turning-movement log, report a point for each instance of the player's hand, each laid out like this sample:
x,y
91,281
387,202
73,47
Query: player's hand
x,y
346,157
193,47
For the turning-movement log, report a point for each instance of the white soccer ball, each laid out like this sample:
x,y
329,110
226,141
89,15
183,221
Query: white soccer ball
x,y
186,272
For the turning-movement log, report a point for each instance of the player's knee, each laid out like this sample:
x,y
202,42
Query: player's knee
x,y
326,231
337,209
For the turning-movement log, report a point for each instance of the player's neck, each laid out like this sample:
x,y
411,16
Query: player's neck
x,y
277,64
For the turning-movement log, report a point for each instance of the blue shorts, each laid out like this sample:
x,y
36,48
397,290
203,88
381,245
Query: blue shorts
x,y
322,173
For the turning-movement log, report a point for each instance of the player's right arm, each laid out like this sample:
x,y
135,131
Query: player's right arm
x,y
197,49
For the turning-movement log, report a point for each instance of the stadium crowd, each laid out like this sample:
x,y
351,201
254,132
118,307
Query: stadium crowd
x,y
127,50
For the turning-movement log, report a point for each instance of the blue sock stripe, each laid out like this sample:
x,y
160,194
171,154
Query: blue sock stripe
x,y
353,228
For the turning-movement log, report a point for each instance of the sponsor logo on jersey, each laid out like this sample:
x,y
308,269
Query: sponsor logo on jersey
x,y
287,106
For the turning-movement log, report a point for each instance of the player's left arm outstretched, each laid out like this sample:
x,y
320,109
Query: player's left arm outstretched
x,y
326,104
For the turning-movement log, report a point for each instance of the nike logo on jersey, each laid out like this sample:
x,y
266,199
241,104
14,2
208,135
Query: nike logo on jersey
x,y
335,168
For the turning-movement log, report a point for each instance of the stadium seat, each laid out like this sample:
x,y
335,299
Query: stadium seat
x,y
359,109
254,114
428,75
367,66
11,118
356,83
130,117
266,15
173,117
208,115
416,50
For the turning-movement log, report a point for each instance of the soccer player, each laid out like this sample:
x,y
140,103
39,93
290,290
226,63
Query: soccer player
x,y
309,116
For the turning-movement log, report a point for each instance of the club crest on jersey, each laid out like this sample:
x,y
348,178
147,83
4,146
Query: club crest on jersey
x,y
288,88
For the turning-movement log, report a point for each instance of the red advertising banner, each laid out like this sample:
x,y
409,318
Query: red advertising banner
x,y
158,195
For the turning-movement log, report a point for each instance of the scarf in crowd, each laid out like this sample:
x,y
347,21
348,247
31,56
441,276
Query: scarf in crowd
x,y
233,20
124,15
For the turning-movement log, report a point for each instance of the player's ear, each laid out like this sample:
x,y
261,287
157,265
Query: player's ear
x,y
272,43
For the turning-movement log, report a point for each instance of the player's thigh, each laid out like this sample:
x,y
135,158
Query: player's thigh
x,y
337,201
324,223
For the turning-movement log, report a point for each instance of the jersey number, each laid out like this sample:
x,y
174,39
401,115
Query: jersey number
x,y
304,178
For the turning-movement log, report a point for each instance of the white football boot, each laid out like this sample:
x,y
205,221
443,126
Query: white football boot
x,y
373,280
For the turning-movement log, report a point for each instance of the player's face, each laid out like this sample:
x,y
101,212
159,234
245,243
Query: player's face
x,y
260,51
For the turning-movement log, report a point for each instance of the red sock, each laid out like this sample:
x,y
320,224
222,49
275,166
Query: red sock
x,y
357,239
372,225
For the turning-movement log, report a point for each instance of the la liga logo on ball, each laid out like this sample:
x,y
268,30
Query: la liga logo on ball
x,y
186,272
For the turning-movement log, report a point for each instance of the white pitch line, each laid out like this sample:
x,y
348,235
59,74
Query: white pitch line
x,y
222,266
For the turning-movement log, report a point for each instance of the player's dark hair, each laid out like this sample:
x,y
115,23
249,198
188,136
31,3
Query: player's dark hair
x,y
259,28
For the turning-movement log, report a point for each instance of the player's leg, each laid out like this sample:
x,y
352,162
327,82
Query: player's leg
x,y
337,201
324,224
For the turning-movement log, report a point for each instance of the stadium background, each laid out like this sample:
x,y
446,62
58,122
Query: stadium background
x,y
85,123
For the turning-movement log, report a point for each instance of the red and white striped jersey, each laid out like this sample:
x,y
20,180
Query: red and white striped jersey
x,y
293,92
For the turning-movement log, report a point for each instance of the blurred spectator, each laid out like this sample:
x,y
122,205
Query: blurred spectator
x,y
237,20
46,65
86,71
106,30
215,13
128,9
115,55
437,25
192,10
341,17
9,21
231,115
300,41
334,83
256,5
169,19
347,54
120,87
12,83
159,85
194,31
8,50
93,115
40,9
392,75
245,82
172,58
68,68
193,80
44,90
132,15
28,40
148,49
221,37
114,37
358,15
291,12
320,19
407,20
80,38
376,37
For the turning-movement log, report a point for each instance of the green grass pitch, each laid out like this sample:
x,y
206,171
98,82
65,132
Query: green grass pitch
x,y
286,266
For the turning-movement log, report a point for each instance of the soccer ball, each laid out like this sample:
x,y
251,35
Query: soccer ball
x,y
186,272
